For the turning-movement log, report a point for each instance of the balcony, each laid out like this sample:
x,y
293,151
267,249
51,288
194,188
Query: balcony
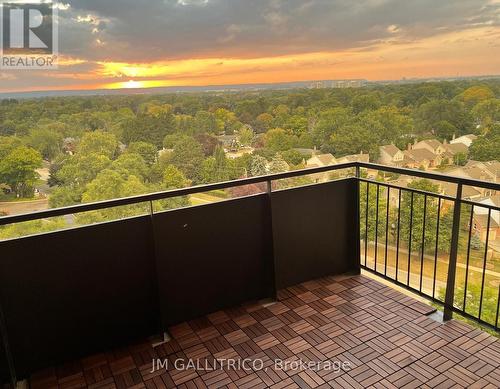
x,y
273,276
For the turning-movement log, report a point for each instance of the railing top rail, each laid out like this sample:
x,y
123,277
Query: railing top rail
x,y
166,194
431,176
230,184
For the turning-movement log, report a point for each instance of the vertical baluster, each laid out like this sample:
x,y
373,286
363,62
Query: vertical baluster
x,y
409,240
387,228
436,248
423,243
468,256
397,238
498,308
376,229
484,263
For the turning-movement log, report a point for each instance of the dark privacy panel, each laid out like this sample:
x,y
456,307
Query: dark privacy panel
x,y
74,292
4,367
213,256
315,231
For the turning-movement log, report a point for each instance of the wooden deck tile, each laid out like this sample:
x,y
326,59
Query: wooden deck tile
x,y
384,336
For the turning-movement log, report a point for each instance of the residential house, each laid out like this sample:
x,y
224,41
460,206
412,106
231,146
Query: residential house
x,y
421,159
464,139
362,157
484,171
320,160
391,155
480,227
432,145
229,142
454,149
493,201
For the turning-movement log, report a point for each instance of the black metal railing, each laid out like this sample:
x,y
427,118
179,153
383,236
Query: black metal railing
x,y
419,239
442,247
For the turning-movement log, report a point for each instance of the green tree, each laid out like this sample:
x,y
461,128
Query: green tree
x,y
258,166
444,129
80,169
131,164
486,147
98,142
47,142
278,165
18,170
148,128
188,157
278,140
146,150
173,179
108,185
245,136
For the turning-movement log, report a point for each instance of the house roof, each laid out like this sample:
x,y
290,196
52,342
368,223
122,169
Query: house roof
x,y
471,137
420,155
392,150
483,220
431,142
449,189
324,159
354,158
455,148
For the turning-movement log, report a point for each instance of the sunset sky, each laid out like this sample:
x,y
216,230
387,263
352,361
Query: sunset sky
x,y
147,43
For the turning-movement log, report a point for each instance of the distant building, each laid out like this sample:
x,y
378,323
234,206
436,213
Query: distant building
x,y
362,157
480,227
432,145
464,139
391,155
320,160
421,159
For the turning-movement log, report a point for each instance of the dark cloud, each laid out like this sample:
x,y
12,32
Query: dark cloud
x,y
147,30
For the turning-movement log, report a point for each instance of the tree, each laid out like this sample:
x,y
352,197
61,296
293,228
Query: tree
x,y
487,112
7,144
98,142
476,94
365,102
148,128
444,129
187,157
215,168
258,166
435,111
353,139
294,157
18,170
47,142
80,169
108,185
486,147
131,164
208,143
278,165
263,122
278,140
147,151
245,136
173,179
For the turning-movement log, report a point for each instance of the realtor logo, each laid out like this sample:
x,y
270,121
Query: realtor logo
x,y
28,36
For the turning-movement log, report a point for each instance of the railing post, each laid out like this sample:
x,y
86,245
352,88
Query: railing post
x,y
452,265
358,221
274,289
